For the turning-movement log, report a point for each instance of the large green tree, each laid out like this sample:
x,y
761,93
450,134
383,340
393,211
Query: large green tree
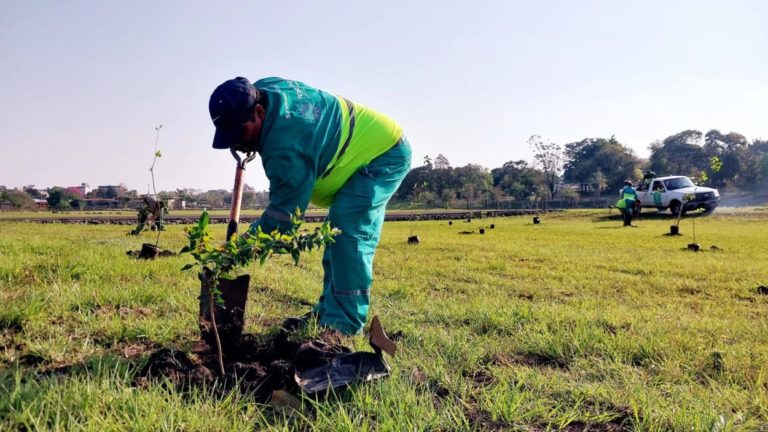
x,y
60,199
680,154
601,163
19,199
549,159
475,182
758,154
517,179
732,150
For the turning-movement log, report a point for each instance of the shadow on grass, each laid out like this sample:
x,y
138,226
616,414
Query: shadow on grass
x,y
654,216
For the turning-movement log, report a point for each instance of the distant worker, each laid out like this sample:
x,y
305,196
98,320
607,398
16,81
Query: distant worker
x,y
157,211
323,148
647,178
627,203
151,213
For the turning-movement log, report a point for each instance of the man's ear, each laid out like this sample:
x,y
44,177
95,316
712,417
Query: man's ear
x,y
259,111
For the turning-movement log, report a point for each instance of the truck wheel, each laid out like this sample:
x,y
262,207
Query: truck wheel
x,y
674,207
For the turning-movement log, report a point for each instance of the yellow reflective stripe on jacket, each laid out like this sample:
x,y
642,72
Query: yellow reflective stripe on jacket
x,y
347,127
367,134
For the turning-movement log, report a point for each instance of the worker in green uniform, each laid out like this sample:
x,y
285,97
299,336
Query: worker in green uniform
x,y
321,148
627,203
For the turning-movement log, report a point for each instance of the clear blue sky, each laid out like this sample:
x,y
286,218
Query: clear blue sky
x,y
84,83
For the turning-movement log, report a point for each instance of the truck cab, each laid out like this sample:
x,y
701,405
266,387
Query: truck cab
x,y
676,193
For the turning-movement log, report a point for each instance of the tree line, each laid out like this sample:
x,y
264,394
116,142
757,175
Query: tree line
x,y
591,167
61,199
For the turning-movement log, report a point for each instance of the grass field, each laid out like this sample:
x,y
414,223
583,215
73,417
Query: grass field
x,y
573,324
192,213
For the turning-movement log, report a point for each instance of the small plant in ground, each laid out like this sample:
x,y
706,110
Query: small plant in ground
x,y
152,210
222,261
686,198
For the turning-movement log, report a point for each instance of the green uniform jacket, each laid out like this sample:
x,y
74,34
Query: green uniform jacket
x,y
628,198
311,143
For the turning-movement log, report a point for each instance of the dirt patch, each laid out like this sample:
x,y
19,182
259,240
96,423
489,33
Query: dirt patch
x,y
257,365
690,291
480,378
136,349
164,253
480,419
613,329
426,385
439,393
31,359
11,324
529,359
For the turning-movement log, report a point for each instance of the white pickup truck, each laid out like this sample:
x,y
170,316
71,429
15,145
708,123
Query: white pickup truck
x,y
672,192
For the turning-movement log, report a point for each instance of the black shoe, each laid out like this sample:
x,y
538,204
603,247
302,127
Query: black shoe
x,y
294,323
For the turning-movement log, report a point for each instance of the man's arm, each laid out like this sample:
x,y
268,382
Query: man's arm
x,y
291,180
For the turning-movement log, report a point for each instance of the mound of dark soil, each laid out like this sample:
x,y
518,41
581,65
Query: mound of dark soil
x,y
163,253
258,365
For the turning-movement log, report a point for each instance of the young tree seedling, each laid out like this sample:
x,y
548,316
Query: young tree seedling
x,y
145,213
222,261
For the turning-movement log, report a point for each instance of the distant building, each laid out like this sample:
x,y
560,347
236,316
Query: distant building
x,y
41,203
79,191
119,188
178,204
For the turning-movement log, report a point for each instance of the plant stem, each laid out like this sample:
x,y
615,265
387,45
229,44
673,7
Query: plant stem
x,y
152,173
211,303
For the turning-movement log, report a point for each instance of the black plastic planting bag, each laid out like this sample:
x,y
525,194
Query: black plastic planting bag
x,y
320,366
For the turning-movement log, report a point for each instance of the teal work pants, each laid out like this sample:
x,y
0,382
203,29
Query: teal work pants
x,y
358,211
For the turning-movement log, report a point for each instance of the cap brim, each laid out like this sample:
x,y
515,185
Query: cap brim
x,y
225,138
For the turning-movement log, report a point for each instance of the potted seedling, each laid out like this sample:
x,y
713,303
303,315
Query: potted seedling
x,y
224,293
693,246
412,238
151,212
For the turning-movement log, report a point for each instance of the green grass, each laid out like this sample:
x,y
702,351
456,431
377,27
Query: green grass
x,y
576,321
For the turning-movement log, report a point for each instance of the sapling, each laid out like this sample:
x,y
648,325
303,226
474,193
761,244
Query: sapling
x,y
216,262
156,155
145,213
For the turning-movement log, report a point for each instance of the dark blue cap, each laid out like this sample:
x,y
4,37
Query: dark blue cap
x,y
230,106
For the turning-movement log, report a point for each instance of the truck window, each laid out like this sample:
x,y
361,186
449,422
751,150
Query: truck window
x,y
658,186
678,183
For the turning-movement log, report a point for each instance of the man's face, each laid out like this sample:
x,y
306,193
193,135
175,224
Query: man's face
x,y
251,131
